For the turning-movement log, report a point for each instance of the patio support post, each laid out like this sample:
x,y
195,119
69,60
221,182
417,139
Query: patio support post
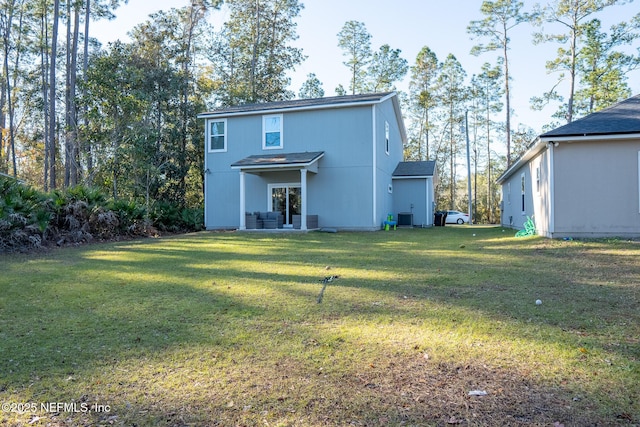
x,y
243,224
303,196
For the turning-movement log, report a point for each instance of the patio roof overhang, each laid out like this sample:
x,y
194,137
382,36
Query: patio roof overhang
x,y
279,162
256,164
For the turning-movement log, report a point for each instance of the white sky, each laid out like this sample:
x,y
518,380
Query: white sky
x,y
403,24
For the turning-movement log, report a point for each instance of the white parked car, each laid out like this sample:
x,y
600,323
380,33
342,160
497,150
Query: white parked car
x,y
457,217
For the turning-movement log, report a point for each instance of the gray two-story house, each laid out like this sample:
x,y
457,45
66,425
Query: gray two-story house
x,y
329,162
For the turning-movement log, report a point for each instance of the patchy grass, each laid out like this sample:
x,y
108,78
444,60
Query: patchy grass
x,y
225,329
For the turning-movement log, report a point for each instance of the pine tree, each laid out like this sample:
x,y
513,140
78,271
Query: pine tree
x,y
386,68
355,42
423,99
251,55
602,69
572,16
453,95
311,88
501,16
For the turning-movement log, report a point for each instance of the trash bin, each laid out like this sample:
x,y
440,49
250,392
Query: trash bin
x,y
440,219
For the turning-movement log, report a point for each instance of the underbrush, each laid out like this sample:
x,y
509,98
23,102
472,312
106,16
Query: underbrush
x,y
30,219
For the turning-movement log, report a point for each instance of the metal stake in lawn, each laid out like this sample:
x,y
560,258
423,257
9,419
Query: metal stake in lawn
x,y
326,281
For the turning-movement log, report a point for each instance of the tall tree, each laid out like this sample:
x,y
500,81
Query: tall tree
x,y
12,42
453,95
501,16
487,91
252,54
96,9
355,42
72,153
423,98
386,68
570,15
602,69
51,152
311,88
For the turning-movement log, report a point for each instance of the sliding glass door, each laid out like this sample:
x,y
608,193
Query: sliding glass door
x,y
285,198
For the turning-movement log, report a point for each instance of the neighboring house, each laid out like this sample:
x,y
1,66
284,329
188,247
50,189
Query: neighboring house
x,y
580,180
321,163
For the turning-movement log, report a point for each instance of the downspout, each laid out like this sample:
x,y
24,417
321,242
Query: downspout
x,y
206,172
375,164
550,167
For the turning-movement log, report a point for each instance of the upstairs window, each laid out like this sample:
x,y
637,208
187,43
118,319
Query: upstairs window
x,y
523,191
386,137
217,135
272,132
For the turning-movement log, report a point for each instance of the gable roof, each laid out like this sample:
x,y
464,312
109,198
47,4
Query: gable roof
x,y
312,104
620,118
298,104
415,169
617,122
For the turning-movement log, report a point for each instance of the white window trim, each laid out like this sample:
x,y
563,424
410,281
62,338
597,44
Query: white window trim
x,y
264,132
208,138
523,189
386,137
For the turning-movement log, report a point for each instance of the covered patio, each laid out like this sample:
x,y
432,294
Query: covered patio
x,y
304,163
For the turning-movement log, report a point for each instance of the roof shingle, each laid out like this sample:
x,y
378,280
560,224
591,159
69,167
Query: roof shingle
x,y
621,118
332,101
421,168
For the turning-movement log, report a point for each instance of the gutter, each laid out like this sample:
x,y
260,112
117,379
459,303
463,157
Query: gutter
x,y
214,114
541,142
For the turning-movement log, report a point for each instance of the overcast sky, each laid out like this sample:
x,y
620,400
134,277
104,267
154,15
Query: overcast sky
x,y
403,24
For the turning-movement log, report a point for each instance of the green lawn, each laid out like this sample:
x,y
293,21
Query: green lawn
x,y
225,329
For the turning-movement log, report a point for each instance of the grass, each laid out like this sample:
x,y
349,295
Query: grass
x,y
226,329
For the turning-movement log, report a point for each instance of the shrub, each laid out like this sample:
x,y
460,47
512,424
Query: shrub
x,y
30,219
168,216
24,216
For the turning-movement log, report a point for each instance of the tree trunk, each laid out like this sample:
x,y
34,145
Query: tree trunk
x,y
254,55
507,96
85,67
72,125
52,95
572,71
67,103
6,39
44,66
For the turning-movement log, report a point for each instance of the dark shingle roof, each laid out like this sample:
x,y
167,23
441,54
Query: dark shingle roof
x,y
423,168
300,103
279,159
621,118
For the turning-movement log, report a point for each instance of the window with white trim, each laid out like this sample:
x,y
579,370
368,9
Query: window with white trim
x,y
386,137
217,135
272,132
522,187
538,180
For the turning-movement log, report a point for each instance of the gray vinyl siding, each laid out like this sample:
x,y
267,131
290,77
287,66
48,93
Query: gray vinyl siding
x,y
512,215
386,163
341,193
412,196
596,189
